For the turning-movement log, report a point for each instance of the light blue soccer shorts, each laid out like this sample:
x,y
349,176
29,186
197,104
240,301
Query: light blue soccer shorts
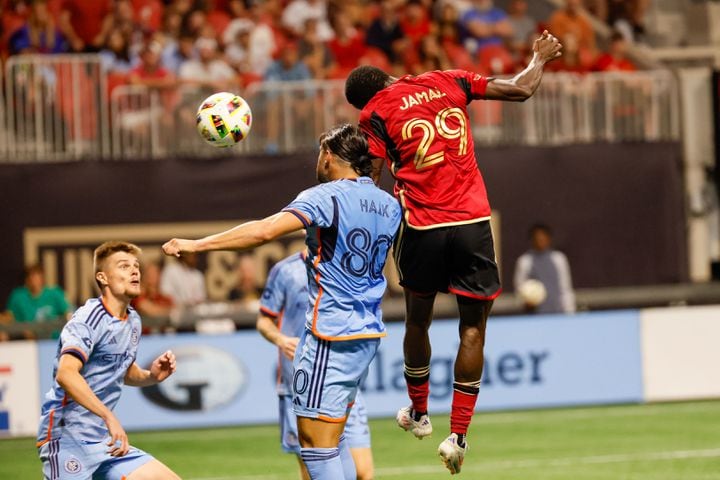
x,y
357,431
327,375
66,458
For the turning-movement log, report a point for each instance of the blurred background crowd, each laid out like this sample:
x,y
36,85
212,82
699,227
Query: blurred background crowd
x,y
208,42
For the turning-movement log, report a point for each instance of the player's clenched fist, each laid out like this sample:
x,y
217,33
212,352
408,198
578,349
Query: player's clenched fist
x,y
547,47
177,246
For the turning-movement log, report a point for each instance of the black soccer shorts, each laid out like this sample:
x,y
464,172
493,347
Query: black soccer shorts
x,y
457,259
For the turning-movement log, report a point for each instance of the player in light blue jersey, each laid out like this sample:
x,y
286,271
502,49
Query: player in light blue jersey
x,y
281,321
350,225
79,436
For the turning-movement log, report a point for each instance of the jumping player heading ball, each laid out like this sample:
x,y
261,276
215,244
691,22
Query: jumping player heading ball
x,y
419,126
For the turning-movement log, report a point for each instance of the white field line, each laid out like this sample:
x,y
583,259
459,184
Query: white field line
x,y
527,463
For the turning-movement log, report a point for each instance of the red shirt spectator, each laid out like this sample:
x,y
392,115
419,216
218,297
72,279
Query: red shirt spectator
x,y
415,23
82,20
347,47
615,60
148,14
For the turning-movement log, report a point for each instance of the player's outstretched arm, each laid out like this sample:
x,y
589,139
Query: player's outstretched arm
x,y
162,367
523,85
270,331
69,378
243,237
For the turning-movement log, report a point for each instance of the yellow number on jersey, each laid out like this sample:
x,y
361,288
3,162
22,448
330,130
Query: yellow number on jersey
x,y
422,159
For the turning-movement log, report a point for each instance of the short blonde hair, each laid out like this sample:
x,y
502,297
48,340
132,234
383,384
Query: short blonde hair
x,y
108,248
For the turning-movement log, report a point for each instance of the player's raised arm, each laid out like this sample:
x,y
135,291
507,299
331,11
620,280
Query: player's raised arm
x,y
243,237
523,85
71,380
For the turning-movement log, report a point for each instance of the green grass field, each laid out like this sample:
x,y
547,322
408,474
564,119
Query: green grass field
x,y
659,442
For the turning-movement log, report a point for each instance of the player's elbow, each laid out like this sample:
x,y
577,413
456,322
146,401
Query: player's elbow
x,y
63,377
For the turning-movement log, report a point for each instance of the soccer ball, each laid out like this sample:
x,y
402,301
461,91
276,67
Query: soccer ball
x,y
532,292
224,119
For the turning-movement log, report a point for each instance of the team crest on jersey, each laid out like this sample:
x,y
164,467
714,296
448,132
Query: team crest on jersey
x,y
73,465
134,338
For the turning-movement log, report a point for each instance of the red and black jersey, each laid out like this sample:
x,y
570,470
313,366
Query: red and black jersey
x,y
420,125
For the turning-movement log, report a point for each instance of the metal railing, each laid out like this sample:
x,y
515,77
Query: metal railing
x,y
60,108
569,109
287,117
56,108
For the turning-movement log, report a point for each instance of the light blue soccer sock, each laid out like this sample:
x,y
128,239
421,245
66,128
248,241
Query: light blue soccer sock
x,y
323,463
347,460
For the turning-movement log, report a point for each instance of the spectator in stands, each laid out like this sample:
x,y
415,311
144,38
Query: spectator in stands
x,y
149,15
238,9
81,21
246,291
447,24
216,17
120,19
615,59
385,32
115,54
415,23
298,12
208,70
431,56
176,53
483,26
237,44
35,301
150,72
39,33
264,38
571,24
288,67
13,15
627,17
315,53
347,46
551,268
151,302
524,27
183,282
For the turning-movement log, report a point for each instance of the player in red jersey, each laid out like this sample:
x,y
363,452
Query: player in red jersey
x,y
419,126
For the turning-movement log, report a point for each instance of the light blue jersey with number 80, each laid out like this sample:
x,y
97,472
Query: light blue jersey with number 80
x,y
351,226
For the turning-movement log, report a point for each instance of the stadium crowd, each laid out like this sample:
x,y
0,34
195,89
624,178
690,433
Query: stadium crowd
x,y
157,42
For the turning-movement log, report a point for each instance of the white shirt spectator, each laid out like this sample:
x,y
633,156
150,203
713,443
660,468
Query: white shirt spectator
x,y
299,11
195,70
185,285
550,267
259,53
